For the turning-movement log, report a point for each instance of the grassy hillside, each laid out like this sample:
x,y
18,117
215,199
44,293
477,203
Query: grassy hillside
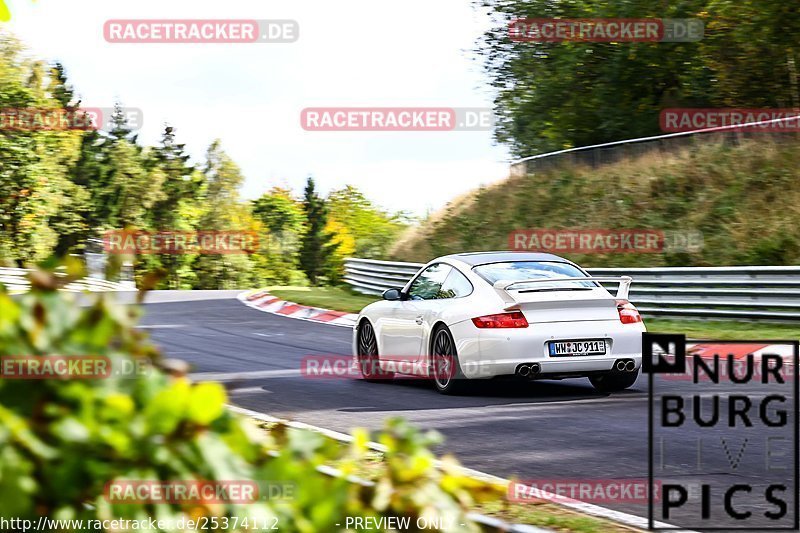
x,y
744,199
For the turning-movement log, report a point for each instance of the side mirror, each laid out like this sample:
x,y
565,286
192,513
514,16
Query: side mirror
x,y
392,294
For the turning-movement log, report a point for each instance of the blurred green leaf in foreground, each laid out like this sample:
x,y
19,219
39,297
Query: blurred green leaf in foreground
x,y
62,441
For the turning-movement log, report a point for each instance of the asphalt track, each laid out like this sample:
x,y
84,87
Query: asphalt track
x,y
547,430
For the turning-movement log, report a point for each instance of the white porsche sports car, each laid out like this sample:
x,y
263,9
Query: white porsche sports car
x,y
487,314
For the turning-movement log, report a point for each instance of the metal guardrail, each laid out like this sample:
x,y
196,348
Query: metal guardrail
x,y
16,281
745,293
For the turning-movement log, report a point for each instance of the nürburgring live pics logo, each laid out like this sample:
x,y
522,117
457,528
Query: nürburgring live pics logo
x,y
723,446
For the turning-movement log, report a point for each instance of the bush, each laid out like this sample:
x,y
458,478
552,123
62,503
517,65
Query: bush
x,y
63,440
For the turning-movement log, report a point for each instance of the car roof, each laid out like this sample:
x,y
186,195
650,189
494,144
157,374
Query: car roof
x,y
484,258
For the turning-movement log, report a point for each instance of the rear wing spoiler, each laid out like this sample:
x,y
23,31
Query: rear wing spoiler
x,y
502,286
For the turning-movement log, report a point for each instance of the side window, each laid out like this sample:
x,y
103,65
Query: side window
x,y
428,284
455,286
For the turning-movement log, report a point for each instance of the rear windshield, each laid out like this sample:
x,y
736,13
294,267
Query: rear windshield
x,y
519,270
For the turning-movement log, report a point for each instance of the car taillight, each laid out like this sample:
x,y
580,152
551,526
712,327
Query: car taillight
x,y
628,314
514,319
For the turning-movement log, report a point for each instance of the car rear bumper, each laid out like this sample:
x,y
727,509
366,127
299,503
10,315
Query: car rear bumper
x,y
486,353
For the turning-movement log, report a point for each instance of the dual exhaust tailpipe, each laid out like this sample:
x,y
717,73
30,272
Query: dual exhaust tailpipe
x,y
529,370
532,370
625,365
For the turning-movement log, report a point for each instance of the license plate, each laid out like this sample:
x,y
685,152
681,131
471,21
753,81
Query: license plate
x,y
570,348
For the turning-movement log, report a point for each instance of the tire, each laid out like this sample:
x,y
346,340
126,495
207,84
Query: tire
x,y
445,368
614,381
368,358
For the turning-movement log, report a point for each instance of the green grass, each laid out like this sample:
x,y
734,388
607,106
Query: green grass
x,y
724,330
543,514
335,298
708,187
343,299
549,515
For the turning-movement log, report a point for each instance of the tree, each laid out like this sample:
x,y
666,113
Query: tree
x,y
372,229
120,127
60,88
180,185
132,188
280,213
91,171
282,219
566,94
34,186
58,189
751,48
71,221
221,195
316,247
222,212
119,174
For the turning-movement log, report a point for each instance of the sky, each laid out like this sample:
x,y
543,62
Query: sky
x,y
350,53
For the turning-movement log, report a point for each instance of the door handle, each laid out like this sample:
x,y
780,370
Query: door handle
x,y
419,320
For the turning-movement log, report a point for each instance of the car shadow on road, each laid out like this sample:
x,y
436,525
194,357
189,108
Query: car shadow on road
x,y
409,394
489,392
